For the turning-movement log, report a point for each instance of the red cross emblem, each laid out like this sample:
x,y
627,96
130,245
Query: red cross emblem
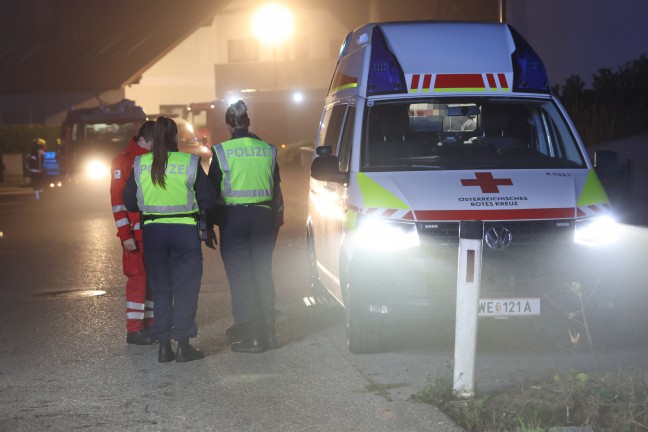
x,y
486,182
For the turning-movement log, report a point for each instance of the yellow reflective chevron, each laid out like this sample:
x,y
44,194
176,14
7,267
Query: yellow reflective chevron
x,y
593,192
376,196
350,220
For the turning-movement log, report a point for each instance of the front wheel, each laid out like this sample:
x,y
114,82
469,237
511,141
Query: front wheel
x,y
364,333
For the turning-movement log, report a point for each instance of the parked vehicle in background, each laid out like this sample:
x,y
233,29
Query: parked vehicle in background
x,y
188,142
288,119
92,137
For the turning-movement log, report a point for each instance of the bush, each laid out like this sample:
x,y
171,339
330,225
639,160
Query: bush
x,y
604,401
18,138
615,107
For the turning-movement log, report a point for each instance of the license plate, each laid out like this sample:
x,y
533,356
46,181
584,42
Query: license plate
x,y
509,307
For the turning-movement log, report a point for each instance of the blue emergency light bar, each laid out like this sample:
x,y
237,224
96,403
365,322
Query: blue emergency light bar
x,y
385,73
529,74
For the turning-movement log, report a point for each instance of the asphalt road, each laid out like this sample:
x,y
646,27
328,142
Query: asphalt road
x,y
64,363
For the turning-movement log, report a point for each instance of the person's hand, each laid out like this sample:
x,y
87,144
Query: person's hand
x,y
130,244
211,241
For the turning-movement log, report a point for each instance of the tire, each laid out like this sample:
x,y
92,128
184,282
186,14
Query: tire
x,y
316,287
364,332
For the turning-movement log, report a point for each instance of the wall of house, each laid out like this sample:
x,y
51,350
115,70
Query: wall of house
x,y
199,70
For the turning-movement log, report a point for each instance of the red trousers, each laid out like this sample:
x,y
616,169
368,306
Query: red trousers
x,y
139,303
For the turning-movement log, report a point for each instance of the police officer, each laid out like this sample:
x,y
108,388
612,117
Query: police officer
x,y
245,175
171,189
139,307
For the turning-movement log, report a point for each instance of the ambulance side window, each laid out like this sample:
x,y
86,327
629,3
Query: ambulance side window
x,y
331,129
553,138
559,136
347,140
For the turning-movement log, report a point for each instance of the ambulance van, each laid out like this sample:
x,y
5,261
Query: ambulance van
x,y
427,124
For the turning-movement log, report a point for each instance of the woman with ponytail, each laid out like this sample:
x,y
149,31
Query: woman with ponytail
x,y
171,189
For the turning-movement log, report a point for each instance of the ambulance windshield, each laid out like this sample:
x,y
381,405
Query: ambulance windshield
x,y
468,133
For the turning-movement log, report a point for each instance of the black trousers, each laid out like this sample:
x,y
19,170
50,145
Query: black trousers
x,y
247,239
174,269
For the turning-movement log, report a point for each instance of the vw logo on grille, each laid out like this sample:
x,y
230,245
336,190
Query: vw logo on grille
x,y
498,238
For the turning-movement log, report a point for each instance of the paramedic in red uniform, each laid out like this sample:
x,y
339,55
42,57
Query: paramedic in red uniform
x,y
139,307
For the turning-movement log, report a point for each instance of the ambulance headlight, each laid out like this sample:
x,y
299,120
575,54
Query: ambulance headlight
x,y
382,234
596,231
97,169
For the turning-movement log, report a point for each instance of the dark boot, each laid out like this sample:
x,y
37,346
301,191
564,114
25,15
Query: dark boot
x,y
270,331
254,341
141,337
235,333
165,355
187,353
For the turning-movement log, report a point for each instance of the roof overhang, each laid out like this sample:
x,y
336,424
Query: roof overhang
x,y
90,45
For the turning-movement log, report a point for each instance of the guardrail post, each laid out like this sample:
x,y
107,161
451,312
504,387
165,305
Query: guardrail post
x,y
471,234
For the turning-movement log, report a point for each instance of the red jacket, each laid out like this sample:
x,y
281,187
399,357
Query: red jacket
x,y
128,223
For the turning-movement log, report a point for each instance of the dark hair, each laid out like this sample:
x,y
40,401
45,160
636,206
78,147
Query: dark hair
x,y
237,116
165,139
146,131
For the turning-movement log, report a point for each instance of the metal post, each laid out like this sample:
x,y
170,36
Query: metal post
x,y
471,234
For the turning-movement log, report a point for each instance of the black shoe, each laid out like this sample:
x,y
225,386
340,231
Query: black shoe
x,y
235,333
250,345
270,333
141,337
187,353
165,354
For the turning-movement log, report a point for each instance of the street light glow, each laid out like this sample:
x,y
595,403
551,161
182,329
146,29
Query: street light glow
x,y
273,23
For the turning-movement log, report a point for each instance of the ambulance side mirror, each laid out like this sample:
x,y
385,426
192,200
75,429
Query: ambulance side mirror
x,y
326,167
607,163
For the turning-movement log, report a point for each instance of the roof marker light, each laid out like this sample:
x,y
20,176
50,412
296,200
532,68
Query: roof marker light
x,y
385,73
529,74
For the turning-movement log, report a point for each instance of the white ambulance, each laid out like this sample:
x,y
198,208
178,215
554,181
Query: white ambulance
x,y
427,124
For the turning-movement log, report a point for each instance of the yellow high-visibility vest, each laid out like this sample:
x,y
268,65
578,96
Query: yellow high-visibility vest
x,y
248,171
179,197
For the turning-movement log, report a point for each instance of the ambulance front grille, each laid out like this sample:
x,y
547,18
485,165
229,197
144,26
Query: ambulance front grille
x,y
523,233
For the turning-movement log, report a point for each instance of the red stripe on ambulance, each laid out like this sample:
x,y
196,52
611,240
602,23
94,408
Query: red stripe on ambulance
x,y
427,79
397,214
518,214
491,81
415,82
451,81
502,80
593,210
389,212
